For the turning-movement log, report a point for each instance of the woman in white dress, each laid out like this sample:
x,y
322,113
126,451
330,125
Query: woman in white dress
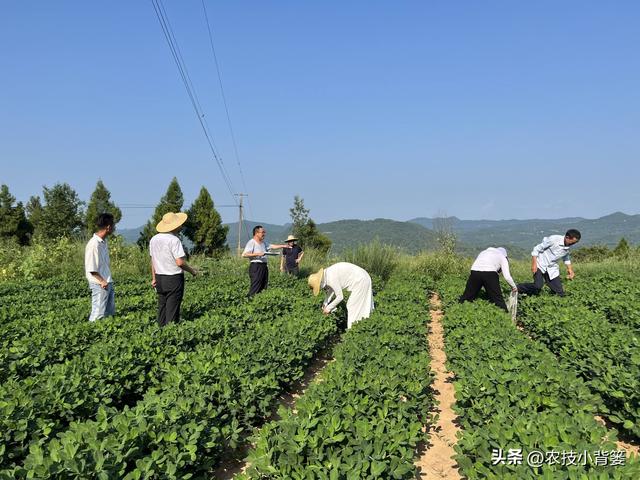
x,y
344,276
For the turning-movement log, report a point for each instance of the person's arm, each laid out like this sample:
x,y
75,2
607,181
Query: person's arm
x,y
182,263
282,263
299,259
153,275
91,260
537,250
567,262
249,251
339,296
277,245
504,265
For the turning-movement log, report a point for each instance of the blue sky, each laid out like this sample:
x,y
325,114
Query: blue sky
x,y
365,109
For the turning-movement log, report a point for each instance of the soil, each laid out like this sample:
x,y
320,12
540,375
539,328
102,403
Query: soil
x,y
313,373
436,460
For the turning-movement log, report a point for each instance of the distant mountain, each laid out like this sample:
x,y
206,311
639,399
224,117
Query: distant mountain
x,y
409,237
519,236
349,233
524,234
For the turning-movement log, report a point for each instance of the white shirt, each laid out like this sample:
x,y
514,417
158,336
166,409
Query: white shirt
x,y
549,252
492,260
96,259
339,276
164,249
257,247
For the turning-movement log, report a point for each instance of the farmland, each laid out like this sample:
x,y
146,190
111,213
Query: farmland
x,y
122,398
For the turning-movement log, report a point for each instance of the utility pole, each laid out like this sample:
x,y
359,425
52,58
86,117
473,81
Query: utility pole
x,y
241,195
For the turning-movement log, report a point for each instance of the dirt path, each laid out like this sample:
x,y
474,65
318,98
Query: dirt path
x,y
312,374
436,461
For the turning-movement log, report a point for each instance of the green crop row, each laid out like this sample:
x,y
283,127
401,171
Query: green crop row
x,y
512,393
208,402
114,372
62,338
616,296
605,355
365,417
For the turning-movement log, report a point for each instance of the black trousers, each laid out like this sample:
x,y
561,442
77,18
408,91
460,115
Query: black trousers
x,y
491,283
539,279
295,271
170,289
259,277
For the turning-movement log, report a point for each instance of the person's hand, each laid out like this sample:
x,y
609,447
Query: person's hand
x,y
325,311
103,284
153,282
194,272
570,275
297,260
282,269
514,290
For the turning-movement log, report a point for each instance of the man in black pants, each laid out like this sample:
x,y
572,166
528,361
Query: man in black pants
x,y
484,273
168,262
256,250
544,263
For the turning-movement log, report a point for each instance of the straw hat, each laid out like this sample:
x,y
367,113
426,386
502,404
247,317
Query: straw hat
x,y
170,221
291,238
314,281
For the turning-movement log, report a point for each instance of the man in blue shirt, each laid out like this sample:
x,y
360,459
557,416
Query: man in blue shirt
x,y
544,263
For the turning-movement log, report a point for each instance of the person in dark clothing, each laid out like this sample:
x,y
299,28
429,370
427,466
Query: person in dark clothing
x,y
484,273
257,250
291,256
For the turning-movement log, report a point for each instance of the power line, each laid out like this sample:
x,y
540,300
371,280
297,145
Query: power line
x,y
224,101
188,85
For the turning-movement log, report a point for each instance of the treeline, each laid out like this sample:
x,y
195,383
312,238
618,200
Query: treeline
x,y
61,213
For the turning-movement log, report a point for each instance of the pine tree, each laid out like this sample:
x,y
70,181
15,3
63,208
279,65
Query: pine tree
x,y
62,213
99,203
622,250
171,202
204,226
305,229
13,221
34,213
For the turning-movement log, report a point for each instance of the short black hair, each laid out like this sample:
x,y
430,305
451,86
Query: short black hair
x,y
104,220
256,228
573,233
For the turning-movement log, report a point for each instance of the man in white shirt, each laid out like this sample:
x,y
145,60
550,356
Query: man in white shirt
x,y
344,276
168,263
544,263
256,250
484,273
97,268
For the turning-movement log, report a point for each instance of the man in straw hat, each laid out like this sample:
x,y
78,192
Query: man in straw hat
x,y
291,256
344,276
257,250
167,267
484,273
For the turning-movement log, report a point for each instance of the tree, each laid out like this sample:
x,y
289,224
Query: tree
x,y
204,226
305,229
622,250
34,212
171,202
62,213
100,202
13,221
443,228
